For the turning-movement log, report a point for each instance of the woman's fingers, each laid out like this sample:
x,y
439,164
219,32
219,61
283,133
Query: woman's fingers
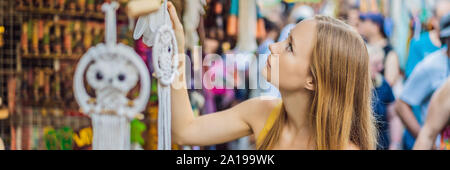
x,y
174,17
177,26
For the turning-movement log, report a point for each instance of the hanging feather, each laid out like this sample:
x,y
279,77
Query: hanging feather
x,y
192,14
147,26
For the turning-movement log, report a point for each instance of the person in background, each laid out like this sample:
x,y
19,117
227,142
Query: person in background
x,y
382,98
371,27
353,17
428,76
428,42
349,13
438,121
298,14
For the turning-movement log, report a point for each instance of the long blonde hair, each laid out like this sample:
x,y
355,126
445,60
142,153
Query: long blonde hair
x,y
341,111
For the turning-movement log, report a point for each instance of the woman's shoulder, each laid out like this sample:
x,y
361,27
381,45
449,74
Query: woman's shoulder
x,y
259,111
262,102
265,104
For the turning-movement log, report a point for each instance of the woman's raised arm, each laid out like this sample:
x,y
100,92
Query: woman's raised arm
x,y
213,128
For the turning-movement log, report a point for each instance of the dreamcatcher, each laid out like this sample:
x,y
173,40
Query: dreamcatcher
x,y
156,30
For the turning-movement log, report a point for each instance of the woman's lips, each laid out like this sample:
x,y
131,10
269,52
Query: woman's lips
x,y
268,61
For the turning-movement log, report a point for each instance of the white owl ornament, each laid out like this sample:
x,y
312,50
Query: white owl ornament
x,y
112,70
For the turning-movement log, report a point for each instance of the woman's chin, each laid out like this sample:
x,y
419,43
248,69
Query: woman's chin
x,y
265,74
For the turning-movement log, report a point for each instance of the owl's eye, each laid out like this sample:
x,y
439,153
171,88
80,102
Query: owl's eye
x,y
121,77
99,76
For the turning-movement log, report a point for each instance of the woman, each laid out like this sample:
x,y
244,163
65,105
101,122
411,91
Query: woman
x,y
325,88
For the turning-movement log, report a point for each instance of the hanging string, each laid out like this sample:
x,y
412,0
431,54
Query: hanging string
x,y
156,30
165,12
165,63
111,30
110,132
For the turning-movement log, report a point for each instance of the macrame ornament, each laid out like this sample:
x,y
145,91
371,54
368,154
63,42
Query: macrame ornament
x,y
147,26
112,70
156,30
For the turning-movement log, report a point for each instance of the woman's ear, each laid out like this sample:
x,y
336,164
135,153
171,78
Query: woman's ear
x,y
310,84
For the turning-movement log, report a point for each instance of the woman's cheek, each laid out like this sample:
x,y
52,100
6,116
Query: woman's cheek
x,y
288,77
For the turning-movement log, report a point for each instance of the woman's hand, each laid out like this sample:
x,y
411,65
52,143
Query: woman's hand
x,y
180,81
177,27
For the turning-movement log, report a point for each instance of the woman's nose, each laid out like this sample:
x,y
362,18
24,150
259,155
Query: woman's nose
x,y
273,48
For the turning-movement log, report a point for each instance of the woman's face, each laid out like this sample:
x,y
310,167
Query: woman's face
x,y
367,28
294,56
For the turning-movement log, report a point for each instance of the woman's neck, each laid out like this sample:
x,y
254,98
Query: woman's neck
x,y
297,106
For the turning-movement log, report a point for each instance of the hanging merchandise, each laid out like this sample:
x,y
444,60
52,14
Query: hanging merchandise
x,y
233,18
137,128
192,14
40,3
77,44
26,129
112,70
156,29
82,139
68,37
91,5
148,31
58,40
51,141
46,37
152,132
35,37
4,113
2,31
36,130
64,136
12,86
24,38
2,145
247,26
87,41
61,4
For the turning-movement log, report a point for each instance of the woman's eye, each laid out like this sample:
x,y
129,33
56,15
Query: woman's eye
x,y
289,47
